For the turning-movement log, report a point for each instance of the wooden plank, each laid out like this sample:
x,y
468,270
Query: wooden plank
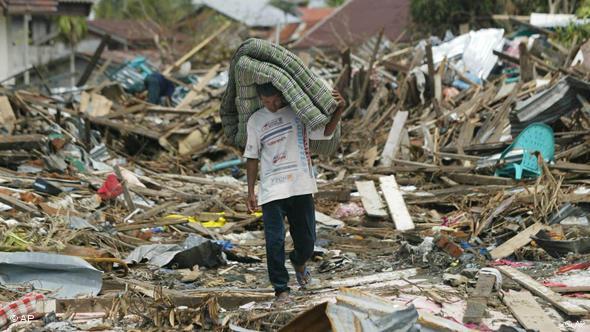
x,y
436,323
195,49
19,205
125,127
476,179
543,292
571,289
201,84
477,303
370,197
516,242
394,138
526,65
528,312
126,193
397,207
373,278
22,142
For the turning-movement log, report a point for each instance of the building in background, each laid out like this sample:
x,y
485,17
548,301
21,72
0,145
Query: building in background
x,y
355,22
28,32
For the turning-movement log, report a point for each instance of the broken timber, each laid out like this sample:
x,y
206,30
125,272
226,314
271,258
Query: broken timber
x,y
543,292
22,142
394,138
516,242
477,302
528,312
395,202
370,197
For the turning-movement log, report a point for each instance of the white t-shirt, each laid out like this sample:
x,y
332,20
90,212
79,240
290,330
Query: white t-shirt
x,y
281,142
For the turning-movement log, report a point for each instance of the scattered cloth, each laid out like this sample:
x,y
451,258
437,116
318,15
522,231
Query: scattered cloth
x,y
195,250
494,272
111,188
19,310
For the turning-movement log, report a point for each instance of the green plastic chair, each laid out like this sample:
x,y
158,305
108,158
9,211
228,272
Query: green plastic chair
x,y
537,137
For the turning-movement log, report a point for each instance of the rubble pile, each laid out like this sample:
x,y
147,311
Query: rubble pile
x,y
457,200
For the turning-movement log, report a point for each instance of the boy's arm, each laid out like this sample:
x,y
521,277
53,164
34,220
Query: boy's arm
x,y
331,126
252,153
251,174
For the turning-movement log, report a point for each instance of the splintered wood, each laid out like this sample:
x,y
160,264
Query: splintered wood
x,y
393,140
395,202
528,312
477,302
518,241
543,292
370,197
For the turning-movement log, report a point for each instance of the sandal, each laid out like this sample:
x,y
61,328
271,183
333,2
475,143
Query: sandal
x,y
303,278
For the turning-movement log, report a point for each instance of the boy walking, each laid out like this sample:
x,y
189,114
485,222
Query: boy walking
x,y
279,141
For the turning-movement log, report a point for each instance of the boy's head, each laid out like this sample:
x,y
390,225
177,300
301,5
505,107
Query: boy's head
x,y
270,97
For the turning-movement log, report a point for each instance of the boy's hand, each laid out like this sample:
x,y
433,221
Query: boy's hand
x,y
251,203
339,99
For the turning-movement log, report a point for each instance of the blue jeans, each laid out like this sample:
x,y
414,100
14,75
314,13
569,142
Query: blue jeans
x,y
300,213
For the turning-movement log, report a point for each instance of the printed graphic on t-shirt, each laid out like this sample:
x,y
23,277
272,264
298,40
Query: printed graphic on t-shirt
x,y
280,141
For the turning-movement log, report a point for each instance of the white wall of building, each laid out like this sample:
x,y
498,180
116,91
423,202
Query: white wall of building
x,y
4,61
12,45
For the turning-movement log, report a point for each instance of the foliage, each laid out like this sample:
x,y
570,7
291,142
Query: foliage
x,y
584,9
335,3
440,15
161,12
72,28
567,35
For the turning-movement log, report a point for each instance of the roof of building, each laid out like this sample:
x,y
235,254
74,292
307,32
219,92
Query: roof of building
x,y
129,30
309,18
42,6
253,13
356,21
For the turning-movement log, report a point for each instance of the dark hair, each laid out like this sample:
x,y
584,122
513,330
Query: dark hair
x,y
267,90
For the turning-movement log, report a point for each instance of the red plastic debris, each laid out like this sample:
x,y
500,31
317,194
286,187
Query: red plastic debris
x,y
111,188
571,267
553,284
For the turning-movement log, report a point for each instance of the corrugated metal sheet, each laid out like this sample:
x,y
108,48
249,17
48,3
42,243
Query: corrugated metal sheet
x,y
80,7
549,105
253,13
30,6
356,21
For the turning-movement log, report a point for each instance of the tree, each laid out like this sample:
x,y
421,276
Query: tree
x,y
161,12
72,29
335,3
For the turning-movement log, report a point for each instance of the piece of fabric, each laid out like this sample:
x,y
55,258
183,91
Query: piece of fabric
x,y
111,188
280,141
19,310
257,62
300,213
158,86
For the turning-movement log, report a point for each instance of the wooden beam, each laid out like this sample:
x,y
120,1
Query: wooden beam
x,y
370,197
393,139
397,207
528,312
516,242
197,88
195,49
477,303
22,142
94,60
543,292
19,205
526,66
